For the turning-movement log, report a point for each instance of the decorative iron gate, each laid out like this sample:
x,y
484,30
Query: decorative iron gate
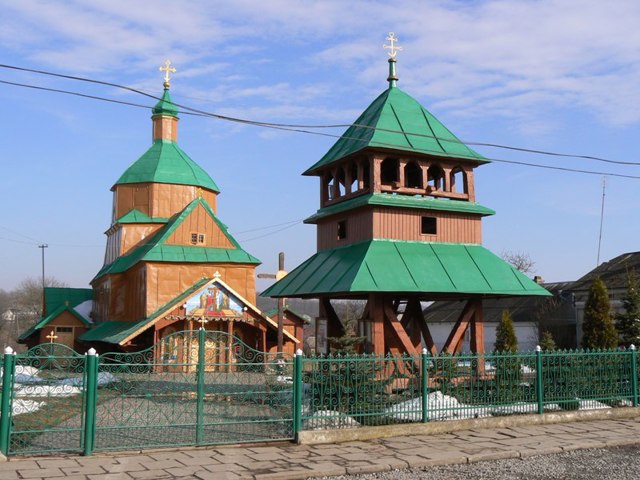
x,y
48,394
193,388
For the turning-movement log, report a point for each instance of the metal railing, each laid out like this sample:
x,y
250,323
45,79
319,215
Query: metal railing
x,y
195,389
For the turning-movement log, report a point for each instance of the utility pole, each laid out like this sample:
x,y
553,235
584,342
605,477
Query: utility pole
x,y
42,247
604,187
278,276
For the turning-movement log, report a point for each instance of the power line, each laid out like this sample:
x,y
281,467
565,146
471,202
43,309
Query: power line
x,y
267,227
299,127
389,145
270,233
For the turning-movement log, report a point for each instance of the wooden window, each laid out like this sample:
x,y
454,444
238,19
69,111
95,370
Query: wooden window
x,y
64,329
197,238
429,226
342,230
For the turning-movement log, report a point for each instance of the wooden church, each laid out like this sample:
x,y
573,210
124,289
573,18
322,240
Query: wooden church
x,y
170,263
398,225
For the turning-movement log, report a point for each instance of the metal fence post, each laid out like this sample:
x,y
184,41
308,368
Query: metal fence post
x,y
539,386
634,374
297,394
424,380
200,388
91,399
8,371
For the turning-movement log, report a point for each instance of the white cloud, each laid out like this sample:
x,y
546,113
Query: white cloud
x,y
503,58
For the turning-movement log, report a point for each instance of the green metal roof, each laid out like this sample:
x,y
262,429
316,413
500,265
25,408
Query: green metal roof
x,y
55,297
111,331
165,105
166,162
397,121
389,266
54,314
154,249
136,216
392,200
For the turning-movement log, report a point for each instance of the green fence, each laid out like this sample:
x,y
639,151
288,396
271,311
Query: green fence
x,y
345,392
193,388
203,388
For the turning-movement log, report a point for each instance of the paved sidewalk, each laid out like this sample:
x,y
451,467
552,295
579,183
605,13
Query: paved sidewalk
x,y
289,462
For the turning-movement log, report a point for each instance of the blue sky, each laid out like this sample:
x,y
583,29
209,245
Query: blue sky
x,y
549,75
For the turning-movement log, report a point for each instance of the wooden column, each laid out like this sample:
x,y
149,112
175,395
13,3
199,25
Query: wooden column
x,y
347,179
402,163
229,354
361,184
477,336
376,315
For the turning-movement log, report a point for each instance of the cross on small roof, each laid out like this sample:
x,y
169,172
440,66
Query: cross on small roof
x,y
167,69
393,49
52,336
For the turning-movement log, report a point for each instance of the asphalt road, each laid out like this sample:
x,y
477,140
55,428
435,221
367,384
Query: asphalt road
x,y
617,463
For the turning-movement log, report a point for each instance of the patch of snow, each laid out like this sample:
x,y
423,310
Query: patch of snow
x,y
592,405
27,370
47,391
104,378
330,419
516,408
84,309
25,406
439,407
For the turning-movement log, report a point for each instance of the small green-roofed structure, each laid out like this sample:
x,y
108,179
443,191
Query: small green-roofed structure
x,y
166,162
55,297
57,300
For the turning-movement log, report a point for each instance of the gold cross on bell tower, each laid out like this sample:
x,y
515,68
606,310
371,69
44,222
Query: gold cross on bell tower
x,y
167,69
393,49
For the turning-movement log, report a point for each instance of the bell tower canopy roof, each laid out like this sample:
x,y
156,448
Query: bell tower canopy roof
x,y
397,121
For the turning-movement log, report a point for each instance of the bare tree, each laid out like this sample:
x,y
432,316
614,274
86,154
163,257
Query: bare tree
x,y
521,260
27,296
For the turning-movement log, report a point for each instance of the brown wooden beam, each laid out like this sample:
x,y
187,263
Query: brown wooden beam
x,y
399,332
334,325
457,333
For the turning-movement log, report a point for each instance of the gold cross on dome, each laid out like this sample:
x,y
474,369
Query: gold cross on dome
x,y
52,336
167,69
393,49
